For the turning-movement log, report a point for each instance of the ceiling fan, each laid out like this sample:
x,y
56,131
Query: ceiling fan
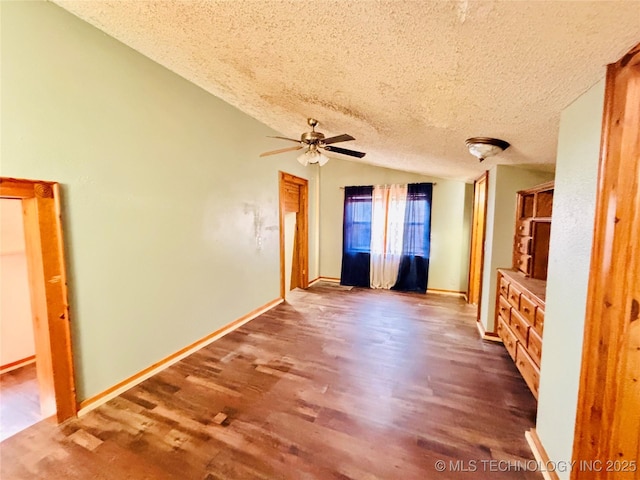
x,y
314,142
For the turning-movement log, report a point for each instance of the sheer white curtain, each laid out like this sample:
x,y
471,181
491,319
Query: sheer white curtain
x,y
387,228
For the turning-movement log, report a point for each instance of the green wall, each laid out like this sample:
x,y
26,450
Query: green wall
x,y
450,220
568,275
504,183
171,218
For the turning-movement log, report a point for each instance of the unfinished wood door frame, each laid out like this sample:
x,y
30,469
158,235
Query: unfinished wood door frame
x,y
48,292
302,230
478,235
607,420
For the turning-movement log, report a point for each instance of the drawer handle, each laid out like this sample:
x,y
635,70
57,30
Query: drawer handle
x,y
526,310
521,227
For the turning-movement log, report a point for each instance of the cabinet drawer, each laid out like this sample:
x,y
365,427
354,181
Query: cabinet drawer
x,y
504,287
523,245
539,324
527,309
504,308
523,263
528,369
523,227
534,346
508,338
514,297
519,326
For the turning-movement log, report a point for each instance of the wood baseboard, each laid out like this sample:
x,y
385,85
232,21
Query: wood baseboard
x,y
441,291
91,403
329,279
437,291
540,454
324,279
17,364
484,335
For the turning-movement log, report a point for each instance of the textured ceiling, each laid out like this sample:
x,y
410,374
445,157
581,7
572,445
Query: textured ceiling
x,y
411,80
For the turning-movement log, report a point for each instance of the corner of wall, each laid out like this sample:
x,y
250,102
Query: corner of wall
x,y
488,274
570,248
505,181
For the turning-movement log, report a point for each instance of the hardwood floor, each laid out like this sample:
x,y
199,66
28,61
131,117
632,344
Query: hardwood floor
x,y
337,384
19,400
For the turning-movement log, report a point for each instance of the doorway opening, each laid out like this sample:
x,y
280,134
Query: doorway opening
x,y
20,400
47,286
478,231
294,233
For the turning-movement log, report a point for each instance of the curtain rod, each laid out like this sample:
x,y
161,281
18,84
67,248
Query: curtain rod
x,y
385,185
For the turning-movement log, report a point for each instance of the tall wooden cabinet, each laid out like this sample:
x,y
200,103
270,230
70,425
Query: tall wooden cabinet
x,y
520,299
533,228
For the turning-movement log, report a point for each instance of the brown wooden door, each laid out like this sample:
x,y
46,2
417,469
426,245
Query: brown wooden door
x,y
608,418
479,221
294,199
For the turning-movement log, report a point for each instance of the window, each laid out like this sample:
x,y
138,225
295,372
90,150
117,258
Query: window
x,y
386,236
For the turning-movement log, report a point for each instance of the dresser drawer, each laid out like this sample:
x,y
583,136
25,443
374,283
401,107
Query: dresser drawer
x,y
519,326
528,369
523,263
523,245
523,227
504,308
534,346
527,309
514,297
508,338
504,287
539,323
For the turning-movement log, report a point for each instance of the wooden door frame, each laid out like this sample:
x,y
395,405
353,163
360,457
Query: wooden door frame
x,y
302,222
472,260
609,383
48,292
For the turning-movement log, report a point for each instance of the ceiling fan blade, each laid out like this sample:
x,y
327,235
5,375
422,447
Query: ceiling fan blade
x,y
344,151
338,138
282,150
284,138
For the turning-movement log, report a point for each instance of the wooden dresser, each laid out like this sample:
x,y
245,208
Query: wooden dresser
x,y
520,299
520,322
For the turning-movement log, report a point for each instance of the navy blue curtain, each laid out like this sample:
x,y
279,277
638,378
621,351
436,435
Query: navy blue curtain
x,y
356,236
414,264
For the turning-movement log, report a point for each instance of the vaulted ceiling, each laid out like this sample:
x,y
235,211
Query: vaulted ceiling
x,y
410,80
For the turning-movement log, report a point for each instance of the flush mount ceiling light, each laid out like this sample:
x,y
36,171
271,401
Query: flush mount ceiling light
x,y
484,147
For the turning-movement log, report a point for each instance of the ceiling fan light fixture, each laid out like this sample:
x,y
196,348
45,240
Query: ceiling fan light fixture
x,y
312,156
303,159
316,144
485,147
322,160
